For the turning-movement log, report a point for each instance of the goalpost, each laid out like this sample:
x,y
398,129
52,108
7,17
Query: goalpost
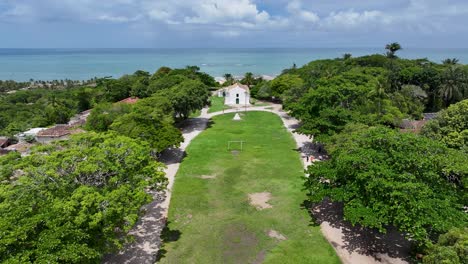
x,y
233,143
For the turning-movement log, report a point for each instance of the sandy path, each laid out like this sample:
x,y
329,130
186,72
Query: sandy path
x,y
148,229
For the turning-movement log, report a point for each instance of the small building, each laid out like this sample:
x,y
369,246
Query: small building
x,y
129,100
236,94
58,132
30,133
429,116
80,118
22,147
4,142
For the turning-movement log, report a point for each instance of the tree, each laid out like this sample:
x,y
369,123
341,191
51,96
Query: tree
x,y
229,79
103,115
450,61
392,49
454,85
248,79
165,82
187,97
379,94
451,248
151,120
347,56
285,82
84,100
73,202
117,90
386,178
450,126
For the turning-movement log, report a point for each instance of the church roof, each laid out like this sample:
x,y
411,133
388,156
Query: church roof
x,y
244,87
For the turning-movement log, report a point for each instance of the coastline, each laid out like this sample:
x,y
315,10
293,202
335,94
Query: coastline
x,y
84,64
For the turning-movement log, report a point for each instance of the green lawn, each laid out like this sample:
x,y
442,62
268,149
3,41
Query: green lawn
x,y
217,104
211,220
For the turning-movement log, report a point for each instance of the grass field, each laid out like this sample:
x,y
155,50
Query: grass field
x,y
217,104
211,219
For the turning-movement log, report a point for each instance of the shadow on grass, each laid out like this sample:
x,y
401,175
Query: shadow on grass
x,y
167,236
363,240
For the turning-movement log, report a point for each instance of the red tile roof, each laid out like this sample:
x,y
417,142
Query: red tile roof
x,y
3,142
129,100
56,131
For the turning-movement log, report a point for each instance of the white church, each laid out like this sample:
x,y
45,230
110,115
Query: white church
x,y
236,94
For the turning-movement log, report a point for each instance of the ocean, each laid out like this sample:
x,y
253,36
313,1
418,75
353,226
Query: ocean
x,y
83,64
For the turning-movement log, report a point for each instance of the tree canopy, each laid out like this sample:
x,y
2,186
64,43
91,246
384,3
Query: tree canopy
x,y
151,120
450,126
386,178
75,201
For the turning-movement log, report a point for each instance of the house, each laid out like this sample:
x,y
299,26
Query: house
x,y
429,116
129,100
4,142
22,147
31,133
58,132
236,94
80,118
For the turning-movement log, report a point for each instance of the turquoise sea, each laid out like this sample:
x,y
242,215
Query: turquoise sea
x,y
81,64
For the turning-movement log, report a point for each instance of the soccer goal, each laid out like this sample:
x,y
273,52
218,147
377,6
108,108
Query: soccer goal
x,y
236,145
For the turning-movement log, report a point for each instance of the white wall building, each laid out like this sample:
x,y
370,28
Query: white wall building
x,y
236,94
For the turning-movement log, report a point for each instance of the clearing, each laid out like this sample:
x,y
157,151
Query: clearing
x,y
211,219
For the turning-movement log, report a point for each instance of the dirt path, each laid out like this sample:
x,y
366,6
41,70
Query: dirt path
x,y
353,245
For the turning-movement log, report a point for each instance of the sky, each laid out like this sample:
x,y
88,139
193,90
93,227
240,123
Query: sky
x,y
232,23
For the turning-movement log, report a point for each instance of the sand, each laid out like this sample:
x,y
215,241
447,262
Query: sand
x,y
260,200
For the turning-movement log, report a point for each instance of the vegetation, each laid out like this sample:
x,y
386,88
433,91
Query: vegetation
x,y
217,104
387,178
450,249
237,232
74,201
450,126
374,90
383,177
151,120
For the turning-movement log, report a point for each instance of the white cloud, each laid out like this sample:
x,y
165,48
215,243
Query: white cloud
x,y
352,19
117,19
227,34
296,10
232,18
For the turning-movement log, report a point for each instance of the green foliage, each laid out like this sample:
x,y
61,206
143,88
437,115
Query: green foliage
x,y
151,120
187,97
77,201
385,178
42,107
103,115
119,89
392,49
450,126
285,82
452,248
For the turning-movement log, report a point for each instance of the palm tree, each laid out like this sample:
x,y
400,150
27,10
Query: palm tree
x,y
248,78
229,79
347,56
449,61
454,85
392,49
379,93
